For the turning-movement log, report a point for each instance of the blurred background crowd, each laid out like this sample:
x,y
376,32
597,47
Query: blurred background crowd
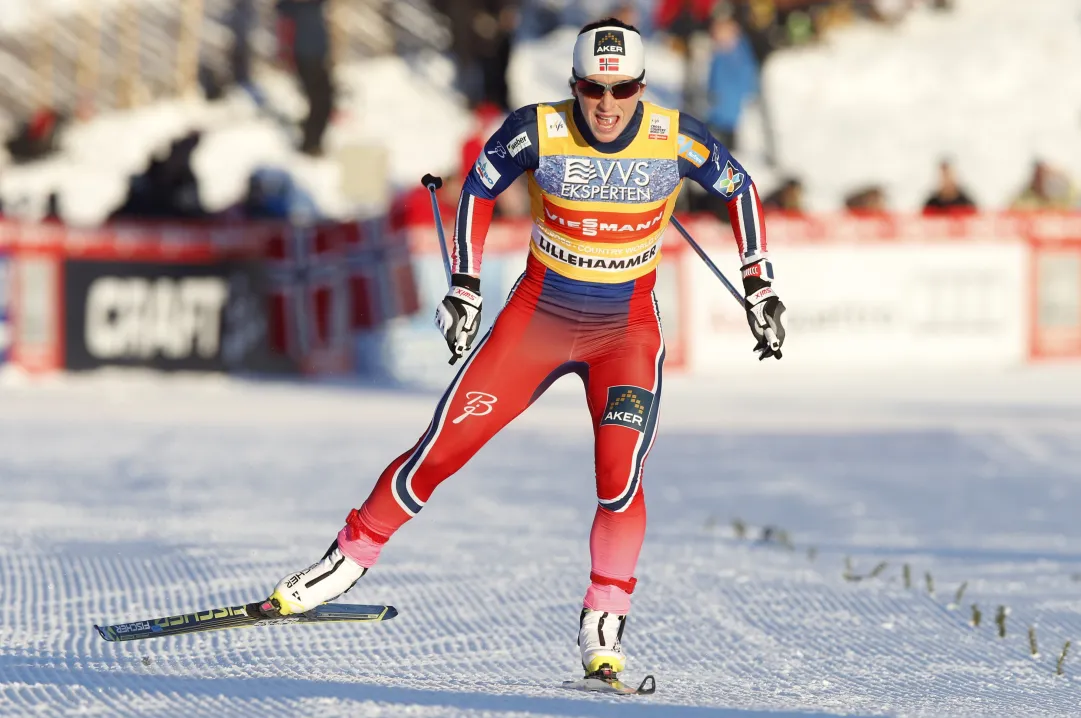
x,y
263,109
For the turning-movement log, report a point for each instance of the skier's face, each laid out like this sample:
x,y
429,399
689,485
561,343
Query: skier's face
x,y
608,114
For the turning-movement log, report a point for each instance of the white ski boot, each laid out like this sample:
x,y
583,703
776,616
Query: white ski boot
x,y
599,640
324,581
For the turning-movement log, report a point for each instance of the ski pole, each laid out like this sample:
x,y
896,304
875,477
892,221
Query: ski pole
x,y
713,268
433,183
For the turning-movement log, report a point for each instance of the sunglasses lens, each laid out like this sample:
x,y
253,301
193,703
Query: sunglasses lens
x,y
623,90
590,89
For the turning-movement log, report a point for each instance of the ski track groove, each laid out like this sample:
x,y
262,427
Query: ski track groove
x,y
169,516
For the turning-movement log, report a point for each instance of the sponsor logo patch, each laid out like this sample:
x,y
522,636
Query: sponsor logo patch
x,y
579,171
605,180
602,226
609,42
628,406
693,151
478,403
601,264
658,127
729,182
519,143
488,174
556,123
600,179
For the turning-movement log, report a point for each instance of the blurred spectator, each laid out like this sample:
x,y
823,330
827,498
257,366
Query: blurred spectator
x,y
830,16
867,200
682,18
482,33
1048,188
786,198
168,188
306,43
948,195
241,20
497,34
733,77
761,23
635,12
52,208
36,137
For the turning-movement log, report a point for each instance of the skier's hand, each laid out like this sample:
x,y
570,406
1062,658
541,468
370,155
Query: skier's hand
x,y
458,315
765,310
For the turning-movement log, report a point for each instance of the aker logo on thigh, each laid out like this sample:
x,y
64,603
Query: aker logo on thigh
x,y
628,406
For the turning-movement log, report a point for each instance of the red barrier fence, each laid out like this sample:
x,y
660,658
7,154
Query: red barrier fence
x,y
136,293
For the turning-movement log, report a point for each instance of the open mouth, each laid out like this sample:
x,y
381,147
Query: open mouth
x,y
605,122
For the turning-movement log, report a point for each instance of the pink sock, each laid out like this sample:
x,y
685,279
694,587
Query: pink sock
x,y
361,549
612,599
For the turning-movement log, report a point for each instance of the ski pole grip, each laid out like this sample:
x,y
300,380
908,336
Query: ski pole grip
x,y
431,181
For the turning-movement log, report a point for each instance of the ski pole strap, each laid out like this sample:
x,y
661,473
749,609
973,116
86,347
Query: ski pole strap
x,y
625,586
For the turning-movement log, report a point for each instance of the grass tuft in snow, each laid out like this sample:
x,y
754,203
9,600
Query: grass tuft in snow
x,y
957,596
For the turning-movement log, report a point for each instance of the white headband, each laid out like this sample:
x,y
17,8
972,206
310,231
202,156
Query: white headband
x,y
609,51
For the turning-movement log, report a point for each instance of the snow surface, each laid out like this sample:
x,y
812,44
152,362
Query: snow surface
x,y
128,496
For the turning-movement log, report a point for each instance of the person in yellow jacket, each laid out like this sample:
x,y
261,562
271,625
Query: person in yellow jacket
x,y
604,169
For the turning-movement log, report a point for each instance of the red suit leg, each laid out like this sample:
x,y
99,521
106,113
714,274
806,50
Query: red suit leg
x,y
496,383
623,389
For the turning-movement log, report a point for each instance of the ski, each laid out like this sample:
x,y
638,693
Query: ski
x,y
240,617
612,685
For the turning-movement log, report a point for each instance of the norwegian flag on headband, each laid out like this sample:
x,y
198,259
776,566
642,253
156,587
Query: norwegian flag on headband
x,y
609,64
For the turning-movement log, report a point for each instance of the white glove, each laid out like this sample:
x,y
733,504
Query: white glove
x,y
458,315
765,310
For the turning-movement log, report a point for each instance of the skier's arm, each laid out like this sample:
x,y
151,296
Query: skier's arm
x,y
508,153
710,164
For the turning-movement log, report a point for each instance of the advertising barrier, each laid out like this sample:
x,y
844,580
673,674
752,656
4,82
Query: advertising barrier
x,y
862,291
990,290
248,297
5,303
164,315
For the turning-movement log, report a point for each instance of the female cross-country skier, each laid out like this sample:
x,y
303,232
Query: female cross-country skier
x,y
604,169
